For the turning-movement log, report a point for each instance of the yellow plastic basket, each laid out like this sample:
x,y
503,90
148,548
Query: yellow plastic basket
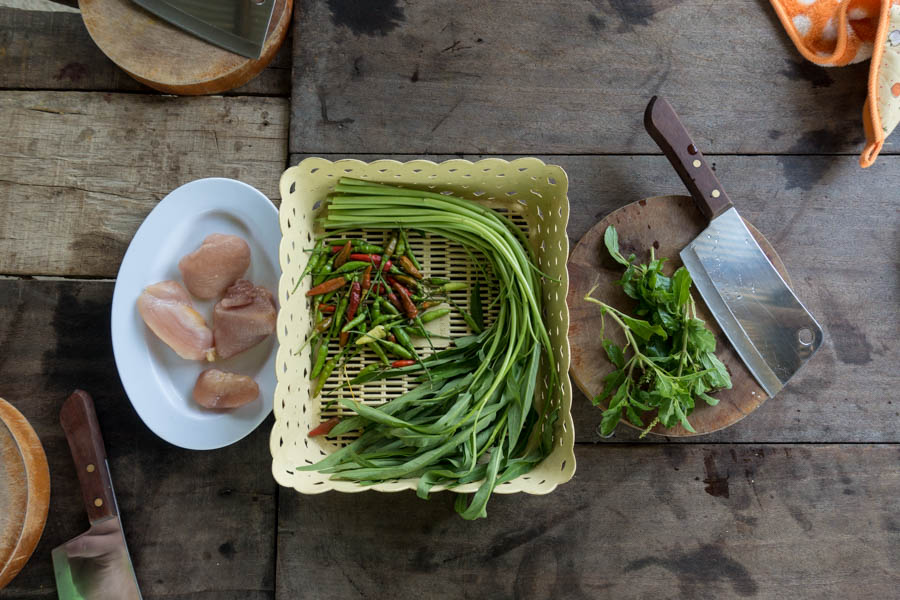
x,y
531,193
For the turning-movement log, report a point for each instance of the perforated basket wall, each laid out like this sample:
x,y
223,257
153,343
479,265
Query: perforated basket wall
x,y
528,191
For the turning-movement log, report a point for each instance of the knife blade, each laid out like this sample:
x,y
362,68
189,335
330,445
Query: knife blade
x,y
768,326
95,565
236,25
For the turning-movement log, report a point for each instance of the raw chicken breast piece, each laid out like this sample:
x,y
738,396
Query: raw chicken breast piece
x,y
221,389
243,318
219,261
167,310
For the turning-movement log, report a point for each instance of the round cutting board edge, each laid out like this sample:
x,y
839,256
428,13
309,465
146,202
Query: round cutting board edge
x,y
148,48
668,223
28,449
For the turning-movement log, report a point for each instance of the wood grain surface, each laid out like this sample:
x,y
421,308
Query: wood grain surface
x,y
170,60
53,51
24,491
565,77
198,524
638,521
80,171
667,224
767,508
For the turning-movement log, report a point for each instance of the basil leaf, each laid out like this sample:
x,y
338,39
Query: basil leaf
x,y
611,239
701,337
681,286
610,420
615,354
643,329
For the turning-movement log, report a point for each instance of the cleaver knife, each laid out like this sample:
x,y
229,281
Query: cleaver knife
x,y
765,322
236,25
96,564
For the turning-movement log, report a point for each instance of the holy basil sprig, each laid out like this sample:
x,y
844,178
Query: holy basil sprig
x,y
672,360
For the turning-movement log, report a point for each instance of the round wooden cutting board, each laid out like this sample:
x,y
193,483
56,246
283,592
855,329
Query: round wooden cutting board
x,y
171,60
668,224
24,491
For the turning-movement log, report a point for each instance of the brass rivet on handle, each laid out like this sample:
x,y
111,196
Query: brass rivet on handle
x,y
697,163
716,193
90,468
98,502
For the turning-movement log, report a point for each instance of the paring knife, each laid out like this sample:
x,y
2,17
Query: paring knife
x,y
767,325
96,564
236,25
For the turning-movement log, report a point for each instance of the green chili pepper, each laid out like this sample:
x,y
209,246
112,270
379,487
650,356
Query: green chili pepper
x,y
375,311
327,371
454,286
395,349
438,281
475,305
352,265
382,319
360,245
431,315
320,358
312,264
380,354
339,314
322,274
403,339
354,322
388,306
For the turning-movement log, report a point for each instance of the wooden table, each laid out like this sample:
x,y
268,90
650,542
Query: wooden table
x,y
800,499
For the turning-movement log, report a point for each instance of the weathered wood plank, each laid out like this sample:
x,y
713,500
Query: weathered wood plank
x,y
560,77
841,259
198,524
687,521
53,51
80,171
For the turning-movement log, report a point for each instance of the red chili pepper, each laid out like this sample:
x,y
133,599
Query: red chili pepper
x,y
408,266
328,286
402,363
372,258
394,300
342,256
367,279
352,306
355,297
327,308
408,307
378,288
425,305
391,338
324,428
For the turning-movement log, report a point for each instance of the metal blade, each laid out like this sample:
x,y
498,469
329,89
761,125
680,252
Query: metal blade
x,y
236,25
768,326
96,565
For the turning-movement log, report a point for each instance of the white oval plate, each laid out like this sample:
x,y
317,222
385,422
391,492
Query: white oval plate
x,y
158,382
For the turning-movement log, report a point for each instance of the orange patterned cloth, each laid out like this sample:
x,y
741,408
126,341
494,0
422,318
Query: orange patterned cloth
x,y
833,33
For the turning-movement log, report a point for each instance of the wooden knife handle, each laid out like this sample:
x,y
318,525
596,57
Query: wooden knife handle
x,y
666,129
79,421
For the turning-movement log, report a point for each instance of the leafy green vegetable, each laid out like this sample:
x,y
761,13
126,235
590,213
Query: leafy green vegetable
x,y
473,417
672,362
